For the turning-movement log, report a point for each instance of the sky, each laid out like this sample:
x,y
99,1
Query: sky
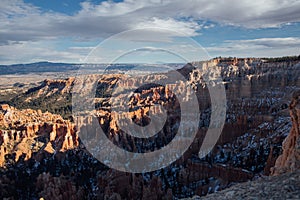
x,y
76,31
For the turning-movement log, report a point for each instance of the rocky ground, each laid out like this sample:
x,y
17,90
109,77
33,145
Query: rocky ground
x,y
284,186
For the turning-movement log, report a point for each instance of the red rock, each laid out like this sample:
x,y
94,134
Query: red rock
x,y
25,125
290,158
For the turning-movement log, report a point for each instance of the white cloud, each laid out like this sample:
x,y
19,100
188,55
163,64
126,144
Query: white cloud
x,y
273,42
179,28
262,47
36,51
22,23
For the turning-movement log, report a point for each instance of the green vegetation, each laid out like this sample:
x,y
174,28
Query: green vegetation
x,y
283,59
275,59
56,103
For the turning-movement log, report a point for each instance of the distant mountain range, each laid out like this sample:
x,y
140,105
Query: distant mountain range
x,y
42,67
37,67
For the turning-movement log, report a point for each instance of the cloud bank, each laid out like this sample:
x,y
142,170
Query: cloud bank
x,y
22,23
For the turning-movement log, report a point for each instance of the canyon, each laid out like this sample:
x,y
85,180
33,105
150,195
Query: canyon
x,y
260,136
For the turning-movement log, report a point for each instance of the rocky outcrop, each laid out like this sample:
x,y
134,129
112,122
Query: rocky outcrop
x,y
50,87
284,186
23,132
290,158
60,188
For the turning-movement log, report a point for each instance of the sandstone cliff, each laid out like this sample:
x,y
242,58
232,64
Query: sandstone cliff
x,y
23,132
290,158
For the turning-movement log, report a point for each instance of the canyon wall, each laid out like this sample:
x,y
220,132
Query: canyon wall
x,y
290,158
257,121
23,132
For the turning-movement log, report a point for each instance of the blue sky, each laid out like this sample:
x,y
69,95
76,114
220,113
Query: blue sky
x,y
67,31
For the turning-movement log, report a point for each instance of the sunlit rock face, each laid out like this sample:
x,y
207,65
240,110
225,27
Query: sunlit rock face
x,y
290,158
23,132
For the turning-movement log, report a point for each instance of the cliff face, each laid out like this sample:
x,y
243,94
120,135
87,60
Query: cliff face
x,y
290,158
23,132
